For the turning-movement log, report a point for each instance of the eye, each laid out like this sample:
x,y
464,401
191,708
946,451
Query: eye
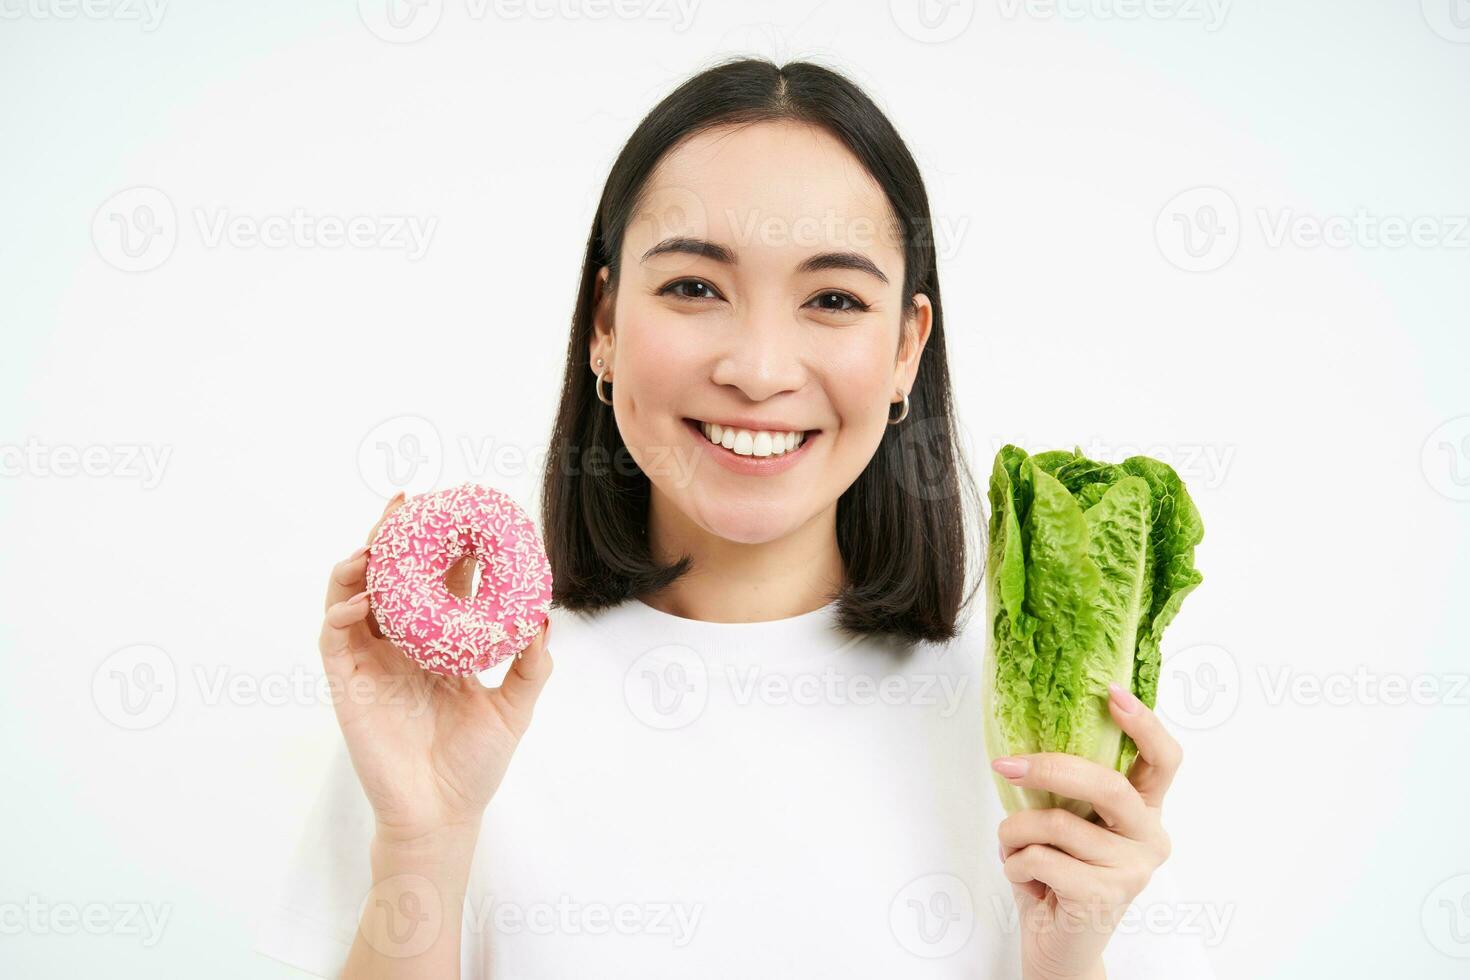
x,y
825,299
674,289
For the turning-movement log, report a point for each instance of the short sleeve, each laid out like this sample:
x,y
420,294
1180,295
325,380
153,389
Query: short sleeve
x,y
1164,935
313,921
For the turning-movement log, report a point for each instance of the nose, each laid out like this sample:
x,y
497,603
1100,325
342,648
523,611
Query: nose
x,y
763,354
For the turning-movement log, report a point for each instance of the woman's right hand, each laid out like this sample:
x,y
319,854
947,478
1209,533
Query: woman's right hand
x,y
429,749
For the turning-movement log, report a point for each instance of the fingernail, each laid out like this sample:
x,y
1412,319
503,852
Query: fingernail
x,y
358,553
357,598
1127,700
1000,850
1011,768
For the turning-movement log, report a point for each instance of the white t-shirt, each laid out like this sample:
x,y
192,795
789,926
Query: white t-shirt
x,y
704,800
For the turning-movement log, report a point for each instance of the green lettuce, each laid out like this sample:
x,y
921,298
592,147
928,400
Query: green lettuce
x,y
1087,563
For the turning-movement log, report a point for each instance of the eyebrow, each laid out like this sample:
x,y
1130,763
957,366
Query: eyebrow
x,y
855,261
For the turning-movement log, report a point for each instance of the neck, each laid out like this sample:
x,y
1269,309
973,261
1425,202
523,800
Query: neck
x,y
738,582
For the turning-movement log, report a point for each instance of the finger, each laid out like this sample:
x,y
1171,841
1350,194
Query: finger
x,y
349,574
1159,753
1111,795
1033,890
522,684
336,635
347,579
1063,830
1048,866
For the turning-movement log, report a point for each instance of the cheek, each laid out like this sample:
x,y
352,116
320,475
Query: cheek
x,y
859,383
655,364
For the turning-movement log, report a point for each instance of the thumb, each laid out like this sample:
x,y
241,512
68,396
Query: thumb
x,y
518,691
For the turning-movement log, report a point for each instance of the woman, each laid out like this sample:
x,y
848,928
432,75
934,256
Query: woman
x,y
762,754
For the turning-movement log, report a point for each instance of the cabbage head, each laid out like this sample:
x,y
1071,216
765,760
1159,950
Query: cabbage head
x,y
1086,564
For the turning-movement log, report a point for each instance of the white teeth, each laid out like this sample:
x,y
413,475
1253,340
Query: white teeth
x,y
748,442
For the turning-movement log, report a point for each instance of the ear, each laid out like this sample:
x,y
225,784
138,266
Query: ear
x,y
603,302
913,336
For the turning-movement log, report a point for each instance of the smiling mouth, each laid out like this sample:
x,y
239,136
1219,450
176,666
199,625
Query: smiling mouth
x,y
751,443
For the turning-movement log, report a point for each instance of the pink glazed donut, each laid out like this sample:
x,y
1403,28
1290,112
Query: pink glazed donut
x,y
420,541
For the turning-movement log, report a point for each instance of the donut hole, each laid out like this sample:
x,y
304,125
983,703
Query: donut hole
x,y
462,578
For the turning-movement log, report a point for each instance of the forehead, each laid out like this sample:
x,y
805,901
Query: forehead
x,y
766,186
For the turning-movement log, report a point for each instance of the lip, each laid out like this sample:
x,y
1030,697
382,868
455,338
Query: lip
x,y
753,465
757,425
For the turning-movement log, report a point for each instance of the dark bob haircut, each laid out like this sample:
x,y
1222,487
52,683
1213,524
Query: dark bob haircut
x,y
901,526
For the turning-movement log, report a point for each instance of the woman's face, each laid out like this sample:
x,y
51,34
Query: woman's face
x,y
761,287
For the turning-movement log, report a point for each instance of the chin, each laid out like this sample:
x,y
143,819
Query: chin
x,y
747,522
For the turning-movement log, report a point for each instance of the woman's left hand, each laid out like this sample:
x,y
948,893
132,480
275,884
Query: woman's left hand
x,y
1073,879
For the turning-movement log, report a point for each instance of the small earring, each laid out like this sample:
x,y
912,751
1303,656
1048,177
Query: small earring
x,y
600,378
905,413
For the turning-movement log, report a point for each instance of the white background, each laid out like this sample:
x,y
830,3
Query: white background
x,y
1313,396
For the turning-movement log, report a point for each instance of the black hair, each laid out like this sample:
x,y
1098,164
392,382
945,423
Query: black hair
x,y
901,524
